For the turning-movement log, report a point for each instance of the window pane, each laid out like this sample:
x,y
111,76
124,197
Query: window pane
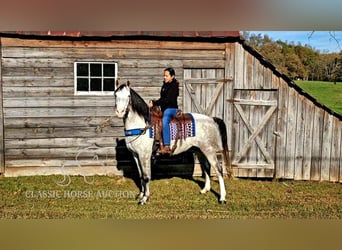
x,y
108,70
95,70
108,84
82,69
82,84
95,84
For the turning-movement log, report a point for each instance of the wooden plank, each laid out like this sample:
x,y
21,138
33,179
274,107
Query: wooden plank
x,y
250,60
317,144
17,42
38,62
228,92
73,132
268,136
72,101
57,112
245,134
336,151
59,142
2,152
18,165
62,122
326,146
206,81
236,131
9,92
239,67
255,102
56,81
281,130
187,101
38,72
300,132
123,63
259,165
75,170
47,153
308,138
268,79
291,134
112,53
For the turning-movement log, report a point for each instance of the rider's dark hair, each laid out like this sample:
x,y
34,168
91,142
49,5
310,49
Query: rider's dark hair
x,y
171,71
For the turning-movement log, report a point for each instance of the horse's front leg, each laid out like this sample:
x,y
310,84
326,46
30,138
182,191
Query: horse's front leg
x,y
141,188
145,177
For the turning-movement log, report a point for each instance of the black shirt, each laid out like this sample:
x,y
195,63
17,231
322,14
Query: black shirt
x,y
168,95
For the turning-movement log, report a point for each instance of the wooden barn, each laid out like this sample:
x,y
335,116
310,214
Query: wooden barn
x,y
57,102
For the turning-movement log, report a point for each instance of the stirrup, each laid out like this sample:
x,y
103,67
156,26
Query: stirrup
x,y
165,150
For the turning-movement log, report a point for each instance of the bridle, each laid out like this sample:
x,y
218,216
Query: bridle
x,y
131,132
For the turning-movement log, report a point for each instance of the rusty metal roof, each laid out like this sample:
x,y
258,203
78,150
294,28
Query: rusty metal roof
x,y
122,34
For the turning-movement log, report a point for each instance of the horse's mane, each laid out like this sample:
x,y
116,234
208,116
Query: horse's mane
x,y
139,105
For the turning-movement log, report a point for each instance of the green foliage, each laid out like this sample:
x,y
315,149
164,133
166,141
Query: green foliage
x,y
171,198
327,93
298,61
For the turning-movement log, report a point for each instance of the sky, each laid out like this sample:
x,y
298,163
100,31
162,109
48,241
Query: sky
x,y
318,40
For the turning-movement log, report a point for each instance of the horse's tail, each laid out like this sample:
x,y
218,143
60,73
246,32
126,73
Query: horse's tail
x,y
225,151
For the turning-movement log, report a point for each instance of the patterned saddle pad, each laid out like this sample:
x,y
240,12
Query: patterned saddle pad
x,y
181,126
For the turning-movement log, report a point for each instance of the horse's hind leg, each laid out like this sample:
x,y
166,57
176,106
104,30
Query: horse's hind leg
x,y
212,158
205,166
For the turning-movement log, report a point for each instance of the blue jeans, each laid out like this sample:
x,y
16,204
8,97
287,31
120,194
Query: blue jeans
x,y
168,114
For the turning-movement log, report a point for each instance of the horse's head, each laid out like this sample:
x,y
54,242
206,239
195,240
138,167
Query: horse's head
x,y
122,99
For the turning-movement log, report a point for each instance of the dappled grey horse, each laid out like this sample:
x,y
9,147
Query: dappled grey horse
x,y
210,139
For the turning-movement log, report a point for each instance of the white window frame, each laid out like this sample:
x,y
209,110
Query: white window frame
x,y
102,77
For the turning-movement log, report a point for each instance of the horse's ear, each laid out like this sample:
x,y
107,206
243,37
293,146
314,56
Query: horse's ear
x,y
117,83
128,83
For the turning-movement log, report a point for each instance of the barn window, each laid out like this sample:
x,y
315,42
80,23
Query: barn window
x,y
95,78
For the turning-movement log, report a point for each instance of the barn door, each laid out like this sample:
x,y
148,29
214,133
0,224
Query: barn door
x,y
253,134
203,91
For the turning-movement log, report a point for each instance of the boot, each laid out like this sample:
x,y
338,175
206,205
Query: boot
x,y
165,150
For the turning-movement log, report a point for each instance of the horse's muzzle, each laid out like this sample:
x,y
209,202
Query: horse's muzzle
x,y
120,113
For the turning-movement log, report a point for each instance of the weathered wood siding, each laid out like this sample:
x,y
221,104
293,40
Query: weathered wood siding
x,y
2,153
306,138
46,124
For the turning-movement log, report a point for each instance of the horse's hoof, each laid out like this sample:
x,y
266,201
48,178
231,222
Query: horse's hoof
x,y
204,190
139,196
143,200
223,202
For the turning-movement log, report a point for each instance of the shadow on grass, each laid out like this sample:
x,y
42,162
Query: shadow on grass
x,y
162,167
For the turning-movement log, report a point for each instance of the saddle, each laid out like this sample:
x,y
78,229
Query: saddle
x,y
181,121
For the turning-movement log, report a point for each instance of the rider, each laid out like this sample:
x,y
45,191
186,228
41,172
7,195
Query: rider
x,y
168,104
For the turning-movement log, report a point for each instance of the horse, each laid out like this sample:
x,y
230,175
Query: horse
x,y
210,140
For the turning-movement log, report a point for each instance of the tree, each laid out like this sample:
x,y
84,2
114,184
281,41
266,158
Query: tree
x,y
298,61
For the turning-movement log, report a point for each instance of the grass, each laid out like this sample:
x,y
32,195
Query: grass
x,y
171,198
327,93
